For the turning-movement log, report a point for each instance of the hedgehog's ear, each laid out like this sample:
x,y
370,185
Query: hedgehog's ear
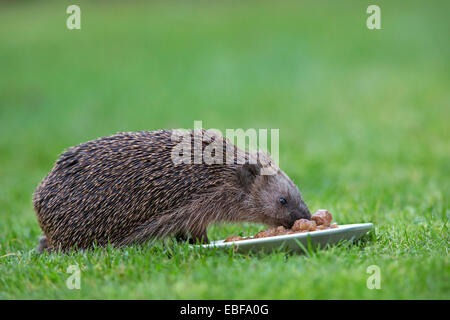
x,y
247,174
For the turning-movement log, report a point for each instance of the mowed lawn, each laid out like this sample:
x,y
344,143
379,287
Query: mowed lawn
x,y
364,132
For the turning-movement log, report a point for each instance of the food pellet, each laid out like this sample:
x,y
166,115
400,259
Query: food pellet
x,y
320,220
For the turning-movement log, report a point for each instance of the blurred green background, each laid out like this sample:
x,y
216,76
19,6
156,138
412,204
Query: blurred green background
x,y
363,118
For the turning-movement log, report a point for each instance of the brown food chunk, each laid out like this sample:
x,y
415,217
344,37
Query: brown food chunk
x,y
319,221
304,225
266,233
281,230
233,238
322,217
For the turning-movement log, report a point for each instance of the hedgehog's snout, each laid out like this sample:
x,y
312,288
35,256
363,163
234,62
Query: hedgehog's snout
x,y
302,212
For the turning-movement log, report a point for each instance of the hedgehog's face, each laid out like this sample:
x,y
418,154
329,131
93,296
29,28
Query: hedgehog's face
x,y
273,199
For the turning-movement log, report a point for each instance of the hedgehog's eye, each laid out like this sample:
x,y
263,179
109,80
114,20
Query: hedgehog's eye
x,y
283,201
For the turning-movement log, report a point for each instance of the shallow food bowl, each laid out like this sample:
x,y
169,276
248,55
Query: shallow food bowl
x,y
294,242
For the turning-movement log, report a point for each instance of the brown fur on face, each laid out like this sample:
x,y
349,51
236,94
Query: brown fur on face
x,y
125,188
264,200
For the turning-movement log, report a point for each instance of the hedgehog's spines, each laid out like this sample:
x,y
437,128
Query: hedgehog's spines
x,y
125,188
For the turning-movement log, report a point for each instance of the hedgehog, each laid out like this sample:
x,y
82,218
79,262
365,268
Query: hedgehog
x,y
126,188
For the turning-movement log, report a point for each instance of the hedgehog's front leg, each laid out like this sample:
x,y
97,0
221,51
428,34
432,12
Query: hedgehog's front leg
x,y
199,237
194,238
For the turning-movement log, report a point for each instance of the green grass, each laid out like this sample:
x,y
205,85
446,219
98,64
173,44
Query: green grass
x,y
364,131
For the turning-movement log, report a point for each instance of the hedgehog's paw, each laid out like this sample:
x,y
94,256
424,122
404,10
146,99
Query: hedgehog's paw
x,y
43,245
199,237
